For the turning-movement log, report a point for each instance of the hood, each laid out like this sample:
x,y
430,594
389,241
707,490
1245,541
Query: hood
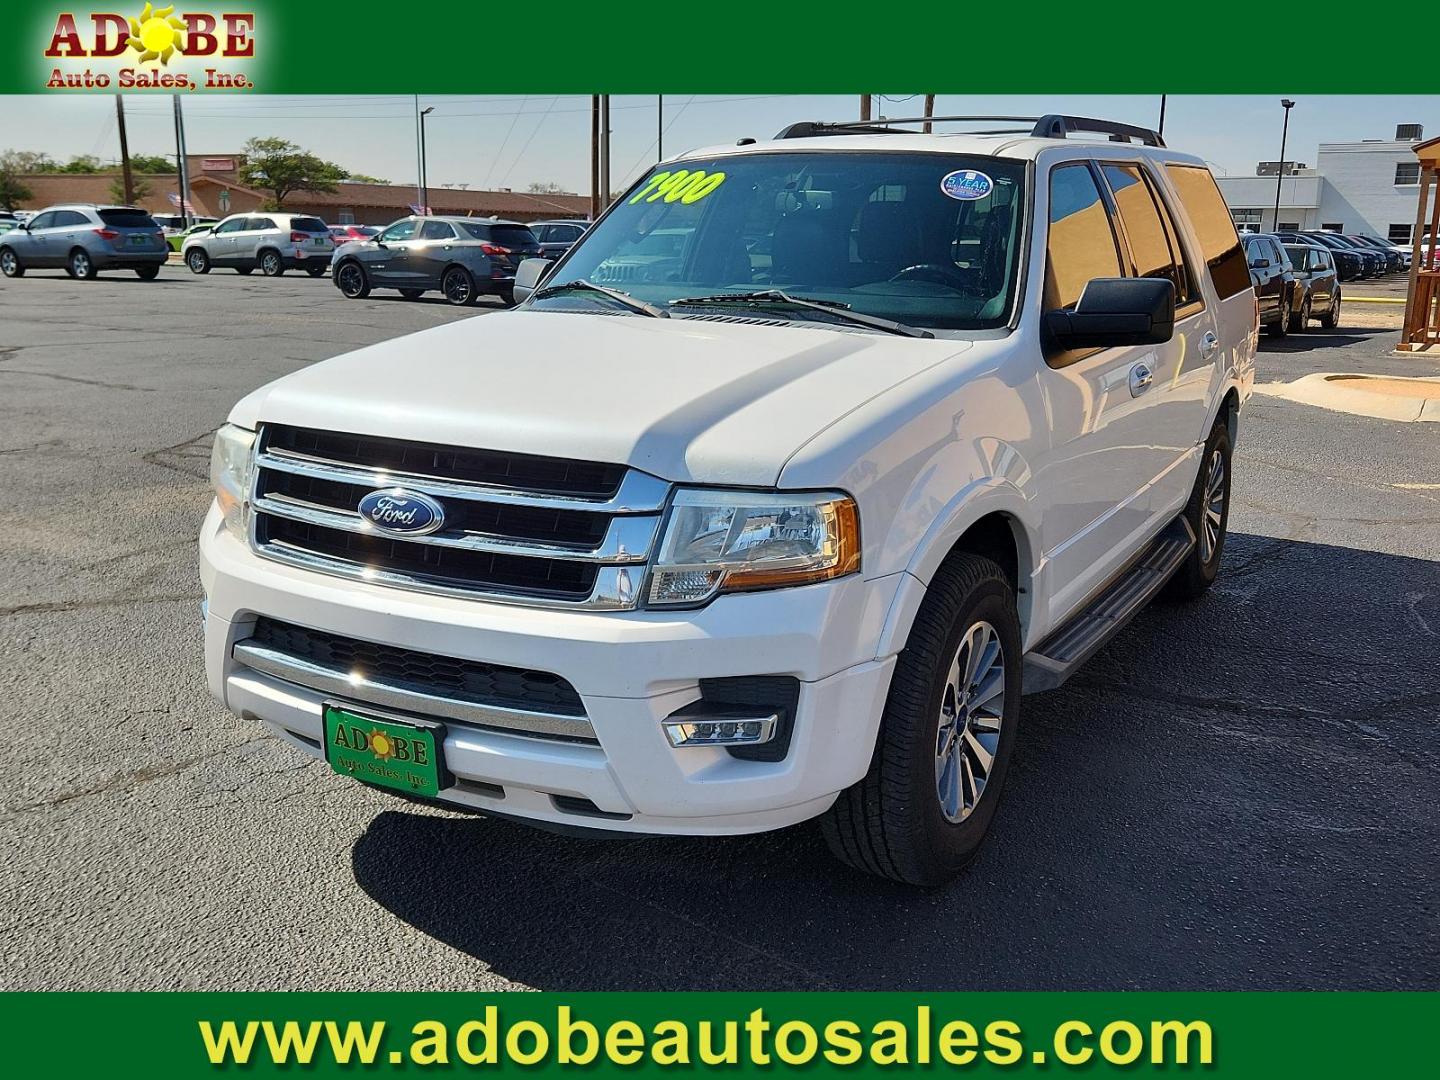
x,y
684,399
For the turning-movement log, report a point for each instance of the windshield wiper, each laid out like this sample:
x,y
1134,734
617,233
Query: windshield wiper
x,y
632,302
829,307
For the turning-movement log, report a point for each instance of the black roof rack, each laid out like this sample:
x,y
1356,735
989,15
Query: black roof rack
x,y
1050,126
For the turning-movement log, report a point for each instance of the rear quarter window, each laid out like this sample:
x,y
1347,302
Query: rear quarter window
x,y
1219,242
513,236
308,224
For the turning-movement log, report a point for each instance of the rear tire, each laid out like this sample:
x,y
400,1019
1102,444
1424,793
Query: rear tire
x,y
315,271
353,282
10,264
412,294
921,812
198,261
457,286
244,271
271,265
507,297
1208,512
147,273
80,265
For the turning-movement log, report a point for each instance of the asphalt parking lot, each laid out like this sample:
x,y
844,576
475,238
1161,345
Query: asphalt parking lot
x,y
1240,793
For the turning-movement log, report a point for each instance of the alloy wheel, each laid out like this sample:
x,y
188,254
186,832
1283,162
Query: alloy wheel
x,y
80,264
8,263
351,279
457,287
972,710
1213,507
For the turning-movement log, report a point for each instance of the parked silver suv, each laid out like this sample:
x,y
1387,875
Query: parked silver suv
x,y
273,242
84,239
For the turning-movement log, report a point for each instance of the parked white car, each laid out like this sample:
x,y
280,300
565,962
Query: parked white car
x,y
780,527
268,241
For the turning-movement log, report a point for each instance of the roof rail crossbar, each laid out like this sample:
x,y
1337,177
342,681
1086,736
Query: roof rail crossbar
x,y
1052,126
1058,126
807,129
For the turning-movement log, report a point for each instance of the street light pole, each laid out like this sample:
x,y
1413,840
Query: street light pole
x,y
424,166
1287,105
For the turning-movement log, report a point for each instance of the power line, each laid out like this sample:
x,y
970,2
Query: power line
x,y
534,131
508,132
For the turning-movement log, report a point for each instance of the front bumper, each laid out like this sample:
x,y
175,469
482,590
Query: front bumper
x,y
631,670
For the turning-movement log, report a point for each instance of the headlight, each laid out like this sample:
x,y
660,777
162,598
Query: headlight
x,y
230,474
726,541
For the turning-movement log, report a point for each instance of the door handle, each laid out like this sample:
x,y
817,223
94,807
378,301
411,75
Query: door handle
x,y
1209,344
1140,379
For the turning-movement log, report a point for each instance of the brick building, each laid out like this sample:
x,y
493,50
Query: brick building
x,y
216,190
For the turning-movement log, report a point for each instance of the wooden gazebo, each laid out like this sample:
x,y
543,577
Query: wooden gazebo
x,y
1422,301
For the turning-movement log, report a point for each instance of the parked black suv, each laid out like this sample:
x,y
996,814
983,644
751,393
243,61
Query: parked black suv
x,y
1277,289
1349,263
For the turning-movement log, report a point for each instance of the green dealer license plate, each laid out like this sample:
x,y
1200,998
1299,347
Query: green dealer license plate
x,y
389,752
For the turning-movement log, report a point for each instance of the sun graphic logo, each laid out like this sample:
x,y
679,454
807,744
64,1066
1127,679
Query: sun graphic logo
x,y
157,34
382,745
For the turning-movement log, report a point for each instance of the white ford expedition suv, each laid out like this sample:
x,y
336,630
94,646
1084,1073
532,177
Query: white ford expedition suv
x,y
768,504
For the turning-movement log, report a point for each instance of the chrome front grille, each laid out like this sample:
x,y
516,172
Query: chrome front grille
x,y
520,529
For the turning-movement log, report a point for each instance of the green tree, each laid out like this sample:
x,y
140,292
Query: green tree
x,y
13,191
82,163
283,168
361,178
151,163
140,186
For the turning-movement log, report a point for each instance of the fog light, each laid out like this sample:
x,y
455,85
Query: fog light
x,y
720,731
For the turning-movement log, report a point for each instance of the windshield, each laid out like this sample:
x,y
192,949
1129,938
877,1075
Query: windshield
x,y
925,239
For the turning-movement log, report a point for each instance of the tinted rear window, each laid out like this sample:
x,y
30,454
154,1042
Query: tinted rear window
x,y
308,224
513,236
133,219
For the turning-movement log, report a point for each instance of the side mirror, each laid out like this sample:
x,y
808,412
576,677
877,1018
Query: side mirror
x,y
1114,312
529,275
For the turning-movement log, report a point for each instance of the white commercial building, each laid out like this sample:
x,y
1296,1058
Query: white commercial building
x,y
1369,187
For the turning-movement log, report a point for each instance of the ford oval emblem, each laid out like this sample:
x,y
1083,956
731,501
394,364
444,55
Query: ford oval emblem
x,y
405,513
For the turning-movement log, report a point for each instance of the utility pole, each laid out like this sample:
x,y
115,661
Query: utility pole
x,y
1161,129
604,151
929,111
424,165
659,127
864,108
594,156
181,164
419,165
1287,105
124,150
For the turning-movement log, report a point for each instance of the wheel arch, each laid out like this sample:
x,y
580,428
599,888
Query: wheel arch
x,y
995,523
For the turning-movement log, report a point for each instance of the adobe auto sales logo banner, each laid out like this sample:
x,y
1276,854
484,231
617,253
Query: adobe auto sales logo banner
x,y
165,48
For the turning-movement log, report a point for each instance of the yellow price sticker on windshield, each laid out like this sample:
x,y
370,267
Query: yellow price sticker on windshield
x,y
682,185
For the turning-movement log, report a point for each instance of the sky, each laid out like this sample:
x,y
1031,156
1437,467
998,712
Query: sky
x,y
513,141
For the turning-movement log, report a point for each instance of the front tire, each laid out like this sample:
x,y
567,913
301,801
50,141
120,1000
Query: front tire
x,y
1281,326
412,294
921,812
10,264
198,261
1301,318
80,265
353,282
315,271
147,273
1208,512
271,265
1331,319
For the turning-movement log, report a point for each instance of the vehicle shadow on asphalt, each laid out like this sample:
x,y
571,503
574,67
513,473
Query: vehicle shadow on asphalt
x,y
1318,338
1235,793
